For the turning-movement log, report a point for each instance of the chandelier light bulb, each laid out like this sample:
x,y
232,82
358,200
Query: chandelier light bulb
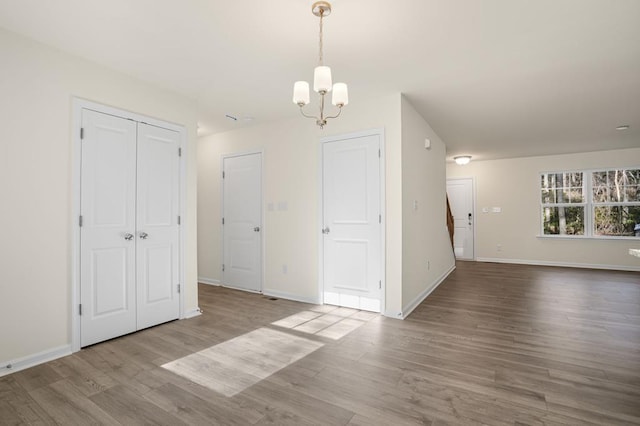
x,y
322,79
340,95
301,93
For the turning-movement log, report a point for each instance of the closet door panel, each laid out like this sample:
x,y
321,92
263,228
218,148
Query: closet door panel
x,y
157,226
107,246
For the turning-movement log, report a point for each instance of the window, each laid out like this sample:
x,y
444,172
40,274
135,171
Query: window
x,y
600,203
616,202
563,203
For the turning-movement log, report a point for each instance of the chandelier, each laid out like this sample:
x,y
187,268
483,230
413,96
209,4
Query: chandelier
x,y
321,79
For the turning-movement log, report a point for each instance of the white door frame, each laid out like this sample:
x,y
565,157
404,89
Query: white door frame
x,y
383,245
78,105
473,207
262,217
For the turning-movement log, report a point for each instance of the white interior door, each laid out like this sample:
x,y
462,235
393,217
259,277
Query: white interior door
x,y
242,222
351,216
460,192
157,226
107,243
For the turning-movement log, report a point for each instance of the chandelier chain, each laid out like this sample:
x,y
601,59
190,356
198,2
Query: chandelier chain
x,y
321,59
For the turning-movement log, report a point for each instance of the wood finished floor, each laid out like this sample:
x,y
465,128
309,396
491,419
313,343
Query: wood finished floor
x,y
494,344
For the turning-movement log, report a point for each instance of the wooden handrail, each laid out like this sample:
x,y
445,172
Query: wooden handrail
x,y
450,222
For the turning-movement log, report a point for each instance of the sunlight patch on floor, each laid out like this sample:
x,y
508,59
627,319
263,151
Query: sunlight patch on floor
x,y
233,366
326,321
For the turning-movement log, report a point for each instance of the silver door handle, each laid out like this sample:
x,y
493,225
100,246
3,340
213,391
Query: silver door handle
x,y
144,235
128,237
256,229
326,230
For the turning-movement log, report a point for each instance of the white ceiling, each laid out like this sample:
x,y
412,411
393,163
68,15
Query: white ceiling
x,y
494,78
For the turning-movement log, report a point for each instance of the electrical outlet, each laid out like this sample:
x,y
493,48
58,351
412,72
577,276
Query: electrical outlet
x,y
428,265
285,269
499,247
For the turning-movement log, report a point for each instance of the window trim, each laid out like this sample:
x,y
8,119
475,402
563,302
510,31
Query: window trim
x,y
588,204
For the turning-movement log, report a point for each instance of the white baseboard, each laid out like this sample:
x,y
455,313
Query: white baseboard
x,y
288,296
12,366
209,281
407,309
561,264
192,313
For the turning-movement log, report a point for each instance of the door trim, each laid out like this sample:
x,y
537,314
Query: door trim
x,y
78,104
473,209
383,227
262,217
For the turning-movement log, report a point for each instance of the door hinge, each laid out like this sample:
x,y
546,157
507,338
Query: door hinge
x,y
80,221
179,152
81,133
80,309
178,288
379,218
380,285
223,267
379,154
179,220
223,220
223,174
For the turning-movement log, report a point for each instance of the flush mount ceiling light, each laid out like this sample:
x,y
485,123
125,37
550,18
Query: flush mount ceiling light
x,y
461,160
623,127
322,83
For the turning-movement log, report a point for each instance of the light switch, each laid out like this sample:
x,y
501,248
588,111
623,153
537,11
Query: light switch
x,y
496,209
485,210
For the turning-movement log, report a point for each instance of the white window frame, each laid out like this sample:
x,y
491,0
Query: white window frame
x,y
594,204
588,204
584,204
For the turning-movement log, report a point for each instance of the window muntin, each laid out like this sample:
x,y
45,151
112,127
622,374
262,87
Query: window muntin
x,y
562,188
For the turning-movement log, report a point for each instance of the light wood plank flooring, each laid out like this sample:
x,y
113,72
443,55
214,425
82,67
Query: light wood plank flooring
x,y
494,344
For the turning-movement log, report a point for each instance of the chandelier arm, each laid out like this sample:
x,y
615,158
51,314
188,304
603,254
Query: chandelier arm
x,y
307,115
337,115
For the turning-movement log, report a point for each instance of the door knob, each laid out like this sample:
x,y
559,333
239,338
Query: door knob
x,y
128,237
144,235
326,230
256,229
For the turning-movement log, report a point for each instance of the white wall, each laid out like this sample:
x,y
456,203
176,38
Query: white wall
x,y
291,161
37,84
427,257
514,185
414,239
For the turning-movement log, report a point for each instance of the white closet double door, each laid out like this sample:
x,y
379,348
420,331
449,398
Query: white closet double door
x,y
129,253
